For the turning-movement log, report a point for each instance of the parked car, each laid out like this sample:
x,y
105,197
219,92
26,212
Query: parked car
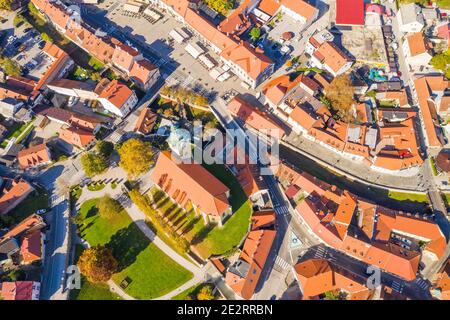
x,y
27,30
42,44
41,211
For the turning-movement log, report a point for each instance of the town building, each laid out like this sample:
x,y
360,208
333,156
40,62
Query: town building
x,y
191,184
431,92
317,277
12,193
35,156
116,97
350,12
146,121
418,51
410,18
391,240
255,118
80,138
20,290
326,55
109,50
243,275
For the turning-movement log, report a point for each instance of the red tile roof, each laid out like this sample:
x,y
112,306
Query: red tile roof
x,y
34,156
19,290
31,247
80,138
252,61
12,195
350,12
254,117
190,182
318,276
254,252
116,93
425,86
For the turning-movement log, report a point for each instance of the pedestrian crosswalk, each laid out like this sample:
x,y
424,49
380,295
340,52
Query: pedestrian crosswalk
x,y
320,253
397,286
55,199
282,263
423,284
282,210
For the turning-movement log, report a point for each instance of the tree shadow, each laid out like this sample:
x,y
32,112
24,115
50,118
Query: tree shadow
x,y
92,212
201,235
126,244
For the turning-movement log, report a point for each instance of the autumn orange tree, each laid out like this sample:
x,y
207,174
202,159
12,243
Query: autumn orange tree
x,y
97,264
205,293
136,157
340,94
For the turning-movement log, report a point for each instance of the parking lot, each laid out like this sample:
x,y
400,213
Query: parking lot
x,y
189,72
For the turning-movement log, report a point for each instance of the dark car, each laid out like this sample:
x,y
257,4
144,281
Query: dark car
x,y
41,44
27,30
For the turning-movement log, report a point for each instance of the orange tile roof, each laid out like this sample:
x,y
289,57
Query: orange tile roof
x,y
12,196
31,247
425,86
269,6
402,145
18,290
60,62
300,7
116,93
443,282
277,88
34,156
146,121
329,213
190,182
318,276
77,137
254,252
254,117
329,54
263,219
417,44
252,61
32,222
142,71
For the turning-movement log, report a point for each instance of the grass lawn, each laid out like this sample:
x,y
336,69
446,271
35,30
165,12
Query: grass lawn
x,y
186,221
96,186
402,196
446,198
34,202
444,4
221,240
150,272
91,291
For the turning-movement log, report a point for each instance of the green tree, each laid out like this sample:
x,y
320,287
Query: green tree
x,y
441,61
97,264
105,148
6,4
93,164
255,33
10,67
136,156
108,207
46,37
